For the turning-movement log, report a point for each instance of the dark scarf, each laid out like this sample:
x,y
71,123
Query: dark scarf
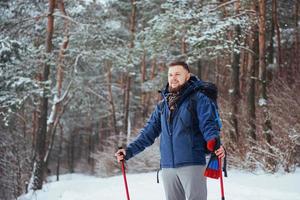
x,y
172,99
174,96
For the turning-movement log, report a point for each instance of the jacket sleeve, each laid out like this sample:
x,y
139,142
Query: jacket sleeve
x,y
206,113
147,135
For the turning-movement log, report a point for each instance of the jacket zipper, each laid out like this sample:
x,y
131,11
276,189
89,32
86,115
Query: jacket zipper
x,y
170,123
171,140
170,130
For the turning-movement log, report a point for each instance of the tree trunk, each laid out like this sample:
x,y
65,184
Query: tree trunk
x,y
277,28
57,109
153,66
102,136
183,45
71,149
199,68
143,67
59,152
126,135
149,95
243,69
91,148
271,45
252,71
132,23
263,101
297,40
262,48
143,94
34,129
235,82
113,119
39,166
270,57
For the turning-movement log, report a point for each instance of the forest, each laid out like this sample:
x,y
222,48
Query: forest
x,y
80,78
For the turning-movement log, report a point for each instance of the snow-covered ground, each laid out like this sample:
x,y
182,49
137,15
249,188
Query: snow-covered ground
x,y
238,186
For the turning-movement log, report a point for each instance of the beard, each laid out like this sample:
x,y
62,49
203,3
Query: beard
x,y
178,88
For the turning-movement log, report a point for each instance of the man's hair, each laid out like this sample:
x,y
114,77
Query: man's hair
x,y
181,63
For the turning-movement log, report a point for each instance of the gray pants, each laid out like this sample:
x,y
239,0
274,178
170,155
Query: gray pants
x,y
185,183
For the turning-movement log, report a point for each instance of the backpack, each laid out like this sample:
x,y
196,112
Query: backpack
x,y
211,91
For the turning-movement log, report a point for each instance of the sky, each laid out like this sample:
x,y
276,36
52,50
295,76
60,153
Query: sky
x,y
239,185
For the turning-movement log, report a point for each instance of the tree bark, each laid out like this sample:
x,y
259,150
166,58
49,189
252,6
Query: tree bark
x,y
57,109
71,149
149,95
297,33
252,71
132,23
262,48
153,67
91,147
263,102
235,82
277,28
199,68
126,117
113,119
39,166
183,45
271,50
34,128
59,152
143,94
143,67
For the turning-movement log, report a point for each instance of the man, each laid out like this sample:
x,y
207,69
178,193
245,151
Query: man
x,y
183,144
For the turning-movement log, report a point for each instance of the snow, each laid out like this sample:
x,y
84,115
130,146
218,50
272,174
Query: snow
x,y
76,9
239,185
262,102
87,2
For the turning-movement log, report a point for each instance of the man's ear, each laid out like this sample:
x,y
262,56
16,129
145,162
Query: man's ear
x,y
188,76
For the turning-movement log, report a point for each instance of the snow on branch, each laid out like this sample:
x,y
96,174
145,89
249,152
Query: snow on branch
x,y
222,5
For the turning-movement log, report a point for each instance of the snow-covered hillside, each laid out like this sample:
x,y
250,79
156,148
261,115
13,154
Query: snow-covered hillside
x,y
238,186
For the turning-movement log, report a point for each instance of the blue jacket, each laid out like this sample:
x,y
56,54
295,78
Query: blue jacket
x,y
182,141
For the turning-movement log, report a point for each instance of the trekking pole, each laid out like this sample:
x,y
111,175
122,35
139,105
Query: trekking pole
x,y
124,177
221,180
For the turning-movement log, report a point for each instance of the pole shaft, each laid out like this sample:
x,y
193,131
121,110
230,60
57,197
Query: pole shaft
x,y
221,179
125,180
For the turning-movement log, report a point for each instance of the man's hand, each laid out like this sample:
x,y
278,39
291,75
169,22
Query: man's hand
x,y
220,152
213,144
120,154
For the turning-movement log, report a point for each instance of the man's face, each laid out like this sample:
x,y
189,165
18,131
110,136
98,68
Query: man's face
x,y
177,76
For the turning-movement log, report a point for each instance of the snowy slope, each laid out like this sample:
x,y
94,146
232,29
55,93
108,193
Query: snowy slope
x,y
238,186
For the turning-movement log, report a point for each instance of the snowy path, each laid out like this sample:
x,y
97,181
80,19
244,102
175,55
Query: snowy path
x,y
238,186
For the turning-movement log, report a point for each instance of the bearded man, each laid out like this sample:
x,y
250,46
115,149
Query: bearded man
x,y
183,145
